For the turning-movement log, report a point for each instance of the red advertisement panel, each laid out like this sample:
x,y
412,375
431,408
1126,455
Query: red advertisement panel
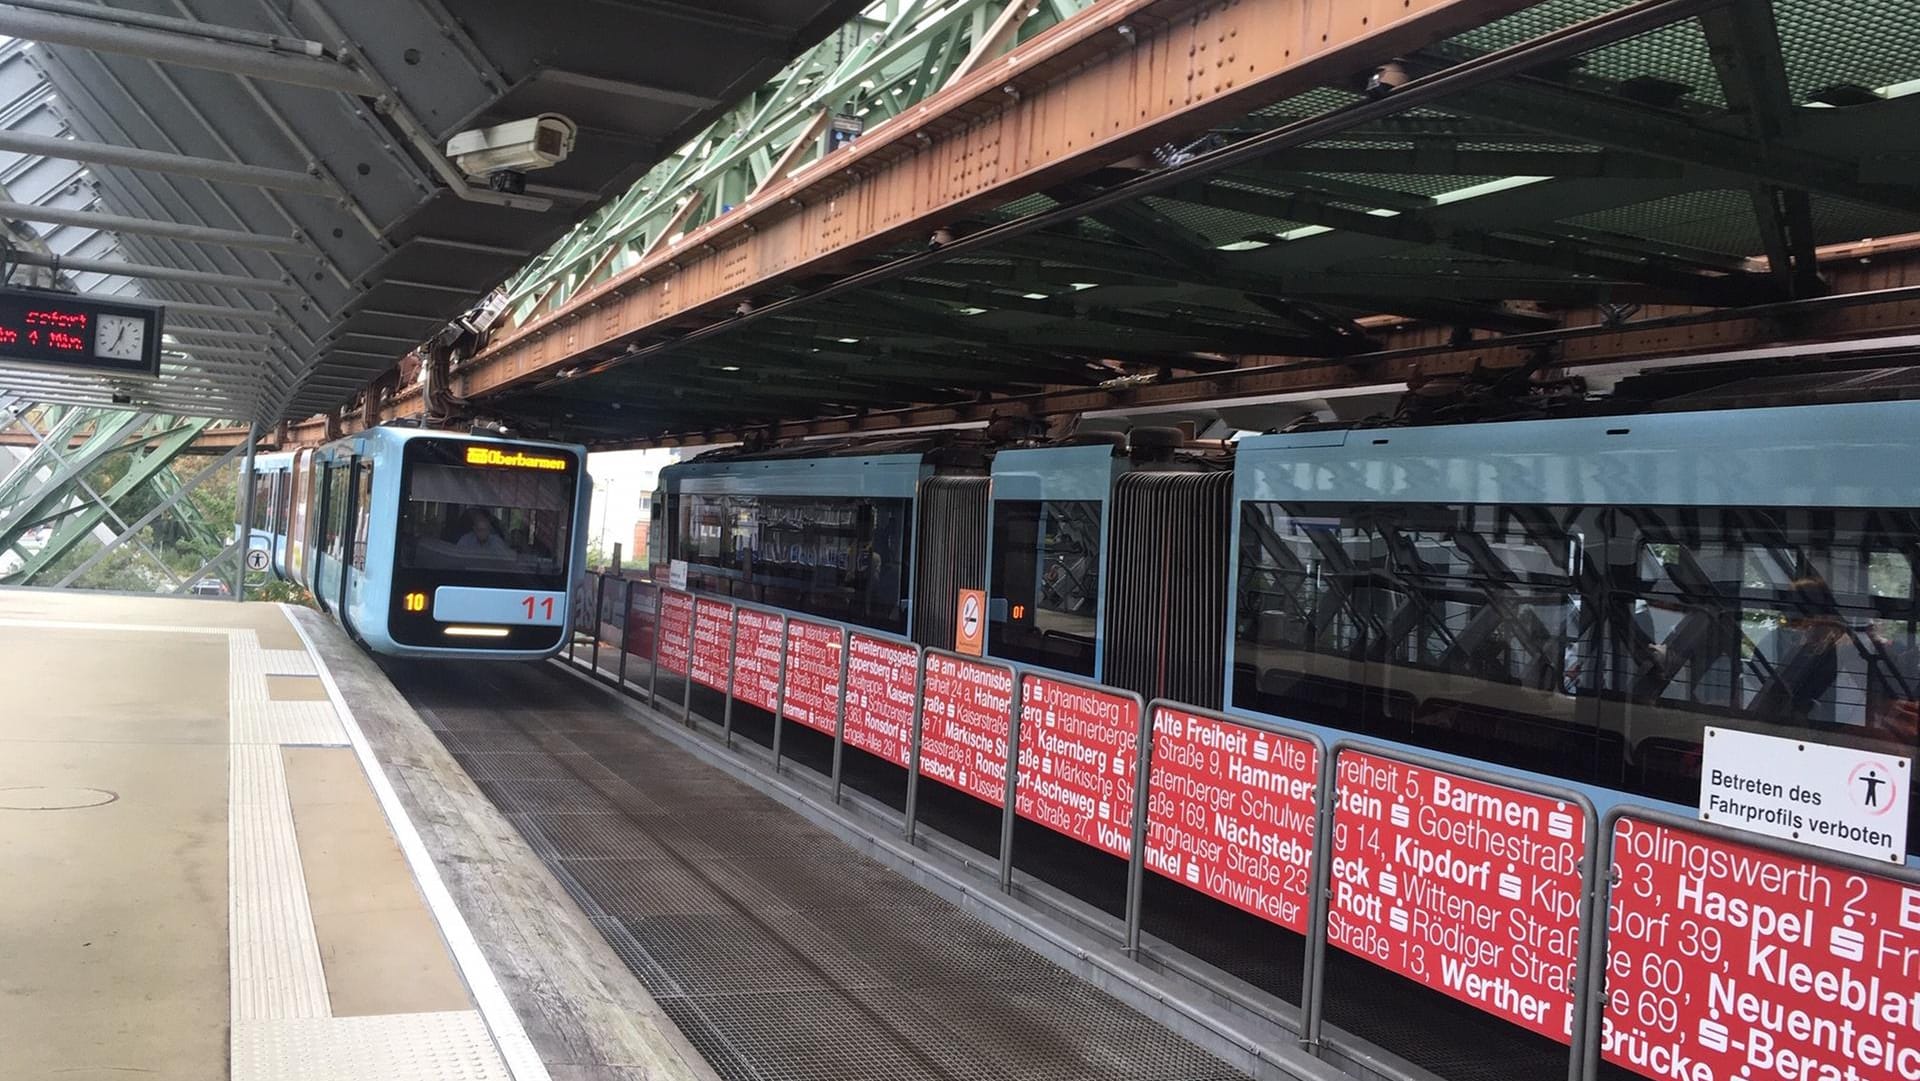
x,y
880,697
676,631
1230,813
813,675
756,657
1077,755
643,611
1728,961
712,633
1470,888
963,735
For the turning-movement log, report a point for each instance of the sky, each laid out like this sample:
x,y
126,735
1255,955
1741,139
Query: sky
x,y
623,480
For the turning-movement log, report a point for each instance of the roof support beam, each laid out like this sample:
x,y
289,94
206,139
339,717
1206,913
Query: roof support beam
x,y
191,27
1449,160
190,334
128,157
1545,106
1822,320
157,273
222,311
1745,42
625,88
170,230
198,52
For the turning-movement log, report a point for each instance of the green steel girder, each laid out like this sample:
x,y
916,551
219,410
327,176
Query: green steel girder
x,y
20,481
77,511
39,503
898,53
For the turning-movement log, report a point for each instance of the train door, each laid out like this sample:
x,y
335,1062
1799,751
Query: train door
x,y
302,515
328,552
358,517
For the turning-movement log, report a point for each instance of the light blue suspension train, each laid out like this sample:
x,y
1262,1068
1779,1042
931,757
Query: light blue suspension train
x,y
430,544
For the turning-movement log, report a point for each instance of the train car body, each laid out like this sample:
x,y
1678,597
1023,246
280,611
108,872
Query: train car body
x,y
1579,598
828,533
430,544
1572,599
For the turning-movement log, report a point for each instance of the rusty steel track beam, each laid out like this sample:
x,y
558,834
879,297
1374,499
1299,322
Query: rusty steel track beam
x,y
1115,80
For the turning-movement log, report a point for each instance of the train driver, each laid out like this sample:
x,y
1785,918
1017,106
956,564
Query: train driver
x,y
482,537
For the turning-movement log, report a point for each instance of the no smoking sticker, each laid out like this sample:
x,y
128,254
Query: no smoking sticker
x,y
970,623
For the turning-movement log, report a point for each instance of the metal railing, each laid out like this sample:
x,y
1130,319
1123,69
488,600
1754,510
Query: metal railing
x,y
1539,844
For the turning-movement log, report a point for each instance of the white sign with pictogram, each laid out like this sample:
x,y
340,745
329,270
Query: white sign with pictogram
x,y
1839,798
257,559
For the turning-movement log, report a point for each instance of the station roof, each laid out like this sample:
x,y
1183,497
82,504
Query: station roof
x,y
1535,172
274,173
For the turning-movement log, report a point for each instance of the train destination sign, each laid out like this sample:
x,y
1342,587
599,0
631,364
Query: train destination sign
x,y
1839,798
1230,813
756,659
963,730
63,330
1077,755
813,675
1470,888
1728,962
676,631
880,697
515,459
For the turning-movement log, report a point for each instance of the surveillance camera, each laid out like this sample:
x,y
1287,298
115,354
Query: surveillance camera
x,y
503,154
1386,79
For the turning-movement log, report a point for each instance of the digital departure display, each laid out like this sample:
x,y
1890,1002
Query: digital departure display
x,y
67,331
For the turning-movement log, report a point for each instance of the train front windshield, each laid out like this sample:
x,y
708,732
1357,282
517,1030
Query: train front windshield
x,y
487,523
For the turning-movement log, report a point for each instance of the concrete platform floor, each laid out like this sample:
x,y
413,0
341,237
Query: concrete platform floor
x,y
199,881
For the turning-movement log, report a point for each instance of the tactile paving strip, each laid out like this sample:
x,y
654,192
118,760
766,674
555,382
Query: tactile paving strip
x,y
287,662
274,958
255,717
449,1046
778,950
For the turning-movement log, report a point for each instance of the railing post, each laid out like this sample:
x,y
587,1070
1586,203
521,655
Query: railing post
x,y
1590,963
1012,779
659,621
1137,845
599,602
1312,989
626,628
780,691
693,644
733,667
911,815
840,713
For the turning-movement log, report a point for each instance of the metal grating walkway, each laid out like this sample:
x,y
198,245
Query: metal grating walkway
x,y
779,951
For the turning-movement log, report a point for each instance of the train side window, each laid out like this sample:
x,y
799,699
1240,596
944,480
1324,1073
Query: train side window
x,y
1045,582
1794,622
1595,644
262,501
277,508
839,557
363,512
1459,627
